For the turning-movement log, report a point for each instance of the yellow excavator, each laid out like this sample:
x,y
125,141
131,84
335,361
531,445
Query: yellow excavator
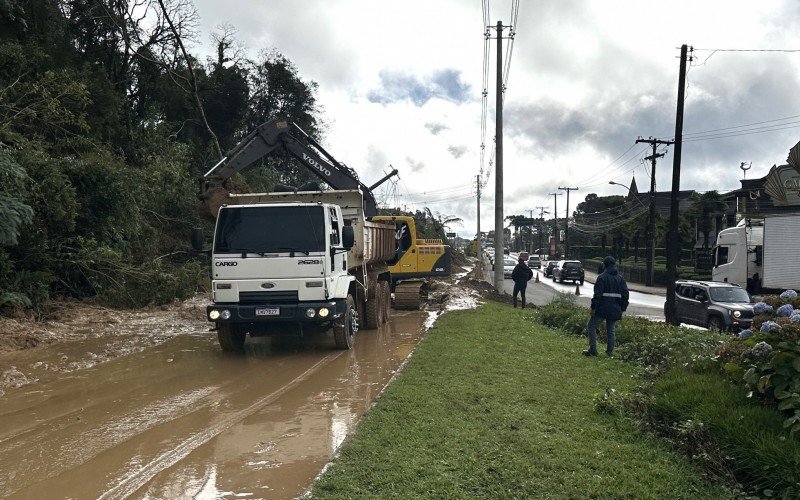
x,y
415,260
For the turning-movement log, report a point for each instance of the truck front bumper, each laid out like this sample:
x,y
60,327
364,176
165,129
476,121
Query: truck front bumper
x,y
315,312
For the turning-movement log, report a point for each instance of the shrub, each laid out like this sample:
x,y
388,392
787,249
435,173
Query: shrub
x,y
762,308
784,311
788,295
770,327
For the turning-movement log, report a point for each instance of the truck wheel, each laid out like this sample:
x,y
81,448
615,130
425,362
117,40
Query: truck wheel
x,y
231,337
386,294
715,324
373,309
345,328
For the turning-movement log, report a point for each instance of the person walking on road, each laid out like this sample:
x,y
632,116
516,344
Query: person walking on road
x,y
521,275
610,300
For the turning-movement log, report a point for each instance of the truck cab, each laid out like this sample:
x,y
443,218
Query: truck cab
x,y
738,255
279,268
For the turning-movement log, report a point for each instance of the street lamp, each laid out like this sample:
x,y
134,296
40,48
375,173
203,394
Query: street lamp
x,y
618,184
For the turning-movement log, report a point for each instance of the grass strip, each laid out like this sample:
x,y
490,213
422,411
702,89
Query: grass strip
x,y
494,405
759,450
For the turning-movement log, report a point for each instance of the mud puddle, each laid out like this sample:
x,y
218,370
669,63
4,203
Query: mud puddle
x,y
182,419
144,404
84,336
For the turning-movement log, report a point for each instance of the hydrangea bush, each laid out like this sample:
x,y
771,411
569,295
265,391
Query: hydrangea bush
x,y
770,367
762,308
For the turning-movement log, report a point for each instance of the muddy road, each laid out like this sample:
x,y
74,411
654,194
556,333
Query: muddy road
x,y
154,409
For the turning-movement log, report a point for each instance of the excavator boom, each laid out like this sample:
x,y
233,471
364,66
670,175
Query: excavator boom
x,y
283,135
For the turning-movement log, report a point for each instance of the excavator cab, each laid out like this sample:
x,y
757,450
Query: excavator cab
x,y
415,260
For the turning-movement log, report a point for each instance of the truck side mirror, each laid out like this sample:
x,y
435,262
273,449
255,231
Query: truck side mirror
x,y
348,237
197,239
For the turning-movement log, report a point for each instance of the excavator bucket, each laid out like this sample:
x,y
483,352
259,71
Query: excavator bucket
x,y
209,204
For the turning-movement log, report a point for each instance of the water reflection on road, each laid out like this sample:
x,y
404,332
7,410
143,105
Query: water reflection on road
x,y
184,419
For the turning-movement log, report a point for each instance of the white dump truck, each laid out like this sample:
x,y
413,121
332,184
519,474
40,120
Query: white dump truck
x,y
294,263
760,254
289,263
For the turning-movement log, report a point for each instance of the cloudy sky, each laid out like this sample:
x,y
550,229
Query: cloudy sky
x,y
400,83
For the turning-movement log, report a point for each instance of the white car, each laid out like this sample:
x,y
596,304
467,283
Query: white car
x,y
508,267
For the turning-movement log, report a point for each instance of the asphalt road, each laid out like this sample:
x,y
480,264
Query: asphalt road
x,y
542,293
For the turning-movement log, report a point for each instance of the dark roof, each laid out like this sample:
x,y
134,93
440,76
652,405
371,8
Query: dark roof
x,y
662,199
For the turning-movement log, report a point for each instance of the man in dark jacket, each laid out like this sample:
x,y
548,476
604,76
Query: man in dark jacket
x,y
610,300
521,275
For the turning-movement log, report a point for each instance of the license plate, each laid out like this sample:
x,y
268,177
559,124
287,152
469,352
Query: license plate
x,y
268,311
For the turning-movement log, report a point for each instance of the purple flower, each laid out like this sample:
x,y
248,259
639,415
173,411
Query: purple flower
x,y
762,307
745,334
770,327
761,350
785,311
789,295
795,317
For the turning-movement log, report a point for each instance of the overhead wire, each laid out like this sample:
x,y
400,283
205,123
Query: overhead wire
x,y
506,70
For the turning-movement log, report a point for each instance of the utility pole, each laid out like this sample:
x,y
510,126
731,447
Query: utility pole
x,y
555,217
478,235
651,215
541,228
530,232
499,255
566,221
673,243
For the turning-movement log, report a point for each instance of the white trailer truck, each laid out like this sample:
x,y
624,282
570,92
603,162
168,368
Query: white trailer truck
x,y
760,254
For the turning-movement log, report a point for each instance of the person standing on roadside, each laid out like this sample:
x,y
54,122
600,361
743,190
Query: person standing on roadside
x,y
521,275
610,300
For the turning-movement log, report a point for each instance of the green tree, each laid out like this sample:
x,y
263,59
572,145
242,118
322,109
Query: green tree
x,y
705,210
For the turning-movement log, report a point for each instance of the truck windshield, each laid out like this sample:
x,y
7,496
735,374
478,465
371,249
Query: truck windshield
x,y
270,230
729,294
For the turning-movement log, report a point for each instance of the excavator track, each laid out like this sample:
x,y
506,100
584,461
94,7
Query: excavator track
x,y
410,295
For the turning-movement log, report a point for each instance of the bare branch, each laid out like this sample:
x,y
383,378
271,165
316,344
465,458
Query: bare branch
x,y
192,77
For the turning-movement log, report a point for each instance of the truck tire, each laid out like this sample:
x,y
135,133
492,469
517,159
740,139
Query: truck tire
x,y
230,336
373,309
345,328
386,293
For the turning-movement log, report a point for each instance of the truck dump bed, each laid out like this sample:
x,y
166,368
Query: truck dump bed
x,y
374,241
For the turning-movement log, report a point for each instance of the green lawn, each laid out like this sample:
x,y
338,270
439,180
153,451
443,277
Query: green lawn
x,y
493,405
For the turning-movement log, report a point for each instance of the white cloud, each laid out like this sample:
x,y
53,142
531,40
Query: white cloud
x,y
403,80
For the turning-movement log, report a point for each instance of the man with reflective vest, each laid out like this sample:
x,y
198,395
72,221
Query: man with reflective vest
x,y
610,300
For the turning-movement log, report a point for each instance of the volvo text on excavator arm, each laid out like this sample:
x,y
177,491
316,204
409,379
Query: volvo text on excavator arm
x,y
282,134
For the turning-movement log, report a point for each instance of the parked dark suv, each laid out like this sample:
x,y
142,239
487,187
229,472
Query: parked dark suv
x,y
713,304
568,270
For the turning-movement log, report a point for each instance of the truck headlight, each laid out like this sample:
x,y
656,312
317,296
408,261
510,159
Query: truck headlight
x,y
213,314
310,312
323,312
225,314
737,314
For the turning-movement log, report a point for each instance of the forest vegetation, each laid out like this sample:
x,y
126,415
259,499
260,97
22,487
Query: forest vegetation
x,y
107,121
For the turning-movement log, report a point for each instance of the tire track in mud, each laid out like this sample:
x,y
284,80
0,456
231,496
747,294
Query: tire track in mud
x,y
132,482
